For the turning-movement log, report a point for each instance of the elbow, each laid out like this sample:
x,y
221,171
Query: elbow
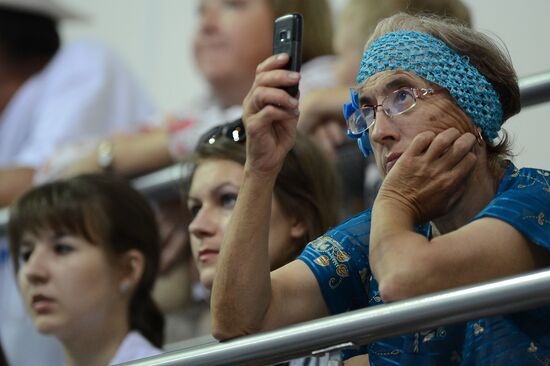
x,y
223,328
393,289
406,279
400,285
226,327
225,332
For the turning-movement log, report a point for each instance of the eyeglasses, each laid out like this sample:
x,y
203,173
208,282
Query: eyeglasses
x,y
396,103
232,130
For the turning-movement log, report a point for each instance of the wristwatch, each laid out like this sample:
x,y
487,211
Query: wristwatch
x,y
104,156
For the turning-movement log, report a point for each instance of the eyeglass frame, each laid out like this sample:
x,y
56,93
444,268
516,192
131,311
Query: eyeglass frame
x,y
417,93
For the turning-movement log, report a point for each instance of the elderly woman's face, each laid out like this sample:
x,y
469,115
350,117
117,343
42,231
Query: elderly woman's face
x,y
390,136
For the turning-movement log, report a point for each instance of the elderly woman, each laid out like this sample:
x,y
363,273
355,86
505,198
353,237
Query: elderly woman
x,y
451,211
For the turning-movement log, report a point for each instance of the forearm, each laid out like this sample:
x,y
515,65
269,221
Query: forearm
x,y
13,183
241,291
395,250
141,154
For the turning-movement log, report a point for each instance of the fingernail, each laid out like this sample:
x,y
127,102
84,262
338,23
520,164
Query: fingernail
x,y
293,75
281,56
293,101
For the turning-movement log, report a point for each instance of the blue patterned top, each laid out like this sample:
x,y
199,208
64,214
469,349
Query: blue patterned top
x,y
340,262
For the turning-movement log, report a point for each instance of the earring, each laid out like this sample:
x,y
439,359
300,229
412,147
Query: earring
x,y
479,137
124,287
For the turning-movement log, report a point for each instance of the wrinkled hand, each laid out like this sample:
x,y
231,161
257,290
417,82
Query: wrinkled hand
x,y
429,177
270,116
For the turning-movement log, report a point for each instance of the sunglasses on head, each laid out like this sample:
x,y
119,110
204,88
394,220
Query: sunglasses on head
x,y
232,130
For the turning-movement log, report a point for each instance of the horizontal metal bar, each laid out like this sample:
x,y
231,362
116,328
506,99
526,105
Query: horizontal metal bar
x,y
534,89
366,325
159,185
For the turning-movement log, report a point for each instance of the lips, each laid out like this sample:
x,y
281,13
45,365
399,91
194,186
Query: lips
x,y
208,254
391,159
41,304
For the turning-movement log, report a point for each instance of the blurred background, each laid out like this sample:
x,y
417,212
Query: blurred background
x,y
153,37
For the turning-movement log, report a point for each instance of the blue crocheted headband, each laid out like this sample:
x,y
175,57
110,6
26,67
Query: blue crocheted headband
x,y
431,59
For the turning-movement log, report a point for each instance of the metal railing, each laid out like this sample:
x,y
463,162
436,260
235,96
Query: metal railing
x,y
534,89
363,326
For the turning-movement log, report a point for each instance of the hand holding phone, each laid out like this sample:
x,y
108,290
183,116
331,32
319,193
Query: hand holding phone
x,y
287,38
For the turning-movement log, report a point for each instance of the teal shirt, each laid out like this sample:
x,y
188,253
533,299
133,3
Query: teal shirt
x,y
340,262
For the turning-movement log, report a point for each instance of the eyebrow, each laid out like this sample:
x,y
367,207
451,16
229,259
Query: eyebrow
x,y
389,87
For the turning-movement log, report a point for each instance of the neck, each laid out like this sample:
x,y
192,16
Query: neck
x,y
96,343
481,187
231,93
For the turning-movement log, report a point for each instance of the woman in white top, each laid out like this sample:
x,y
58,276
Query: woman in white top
x,y
86,254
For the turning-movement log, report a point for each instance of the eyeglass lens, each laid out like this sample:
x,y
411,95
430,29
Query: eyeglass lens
x,y
394,104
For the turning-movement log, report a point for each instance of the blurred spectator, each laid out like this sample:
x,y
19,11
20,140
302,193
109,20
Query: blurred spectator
x,y
50,95
231,40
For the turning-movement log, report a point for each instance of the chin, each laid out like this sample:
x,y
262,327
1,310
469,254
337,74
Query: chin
x,y
207,278
46,326
214,76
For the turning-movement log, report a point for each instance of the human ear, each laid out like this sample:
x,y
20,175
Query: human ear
x,y
132,267
298,228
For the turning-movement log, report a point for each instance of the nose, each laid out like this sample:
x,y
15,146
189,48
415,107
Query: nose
x,y
384,130
209,17
203,224
35,269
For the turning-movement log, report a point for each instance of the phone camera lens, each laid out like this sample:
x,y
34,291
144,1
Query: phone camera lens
x,y
284,35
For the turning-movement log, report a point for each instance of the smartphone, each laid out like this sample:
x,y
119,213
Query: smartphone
x,y
287,38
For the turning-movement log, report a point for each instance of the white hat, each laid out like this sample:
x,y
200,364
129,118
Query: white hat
x,y
48,8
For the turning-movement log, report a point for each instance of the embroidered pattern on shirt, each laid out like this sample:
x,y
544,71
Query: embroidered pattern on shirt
x,y
541,220
541,178
427,336
333,253
478,329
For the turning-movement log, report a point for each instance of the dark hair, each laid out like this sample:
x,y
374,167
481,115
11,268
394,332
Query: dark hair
x,y
105,211
25,35
305,186
3,361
